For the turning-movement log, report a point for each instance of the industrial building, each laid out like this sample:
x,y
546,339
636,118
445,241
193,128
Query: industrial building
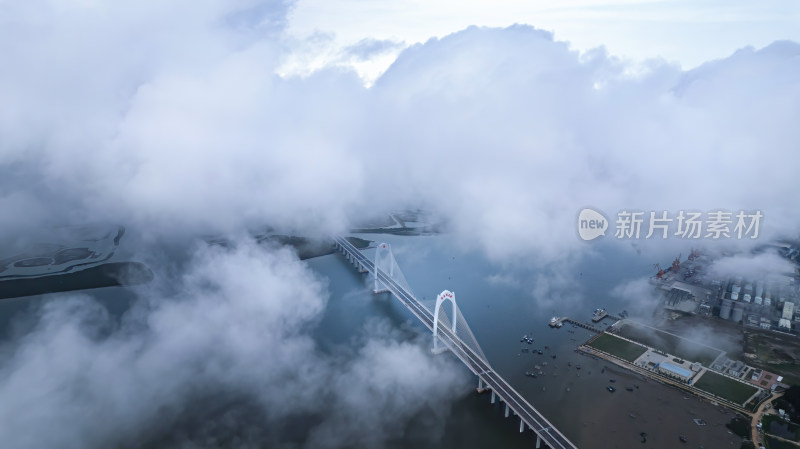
x,y
676,371
669,365
737,315
788,310
731,367
725,310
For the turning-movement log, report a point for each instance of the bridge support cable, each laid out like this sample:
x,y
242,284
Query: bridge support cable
x,y
456,323
386,263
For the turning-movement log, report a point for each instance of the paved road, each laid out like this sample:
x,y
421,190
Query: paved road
x,y
757,418
532,418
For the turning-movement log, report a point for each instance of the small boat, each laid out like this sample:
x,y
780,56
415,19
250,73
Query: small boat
x,y
554,356
682,438
612,380
629,388
611,389
539,351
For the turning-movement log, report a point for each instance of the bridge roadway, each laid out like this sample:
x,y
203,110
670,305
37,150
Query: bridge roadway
x,y
522,408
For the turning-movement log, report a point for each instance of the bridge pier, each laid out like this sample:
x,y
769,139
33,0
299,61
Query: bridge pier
x,y
522,426
538,441
492,396
506,409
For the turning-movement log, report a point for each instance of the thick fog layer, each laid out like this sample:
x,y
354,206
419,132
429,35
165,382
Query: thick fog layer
x,y
226,362
169,117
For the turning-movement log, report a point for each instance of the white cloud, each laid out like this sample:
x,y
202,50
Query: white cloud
x,y
689,33
639,298
751,267
504,131
233,336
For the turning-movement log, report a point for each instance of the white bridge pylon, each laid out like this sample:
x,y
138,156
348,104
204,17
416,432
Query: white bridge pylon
x,y
384,260
386,263
446,295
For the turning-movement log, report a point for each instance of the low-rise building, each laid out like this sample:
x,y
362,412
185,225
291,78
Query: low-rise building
x,y
676,371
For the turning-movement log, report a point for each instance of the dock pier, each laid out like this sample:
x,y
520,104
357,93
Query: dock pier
x,y
559,321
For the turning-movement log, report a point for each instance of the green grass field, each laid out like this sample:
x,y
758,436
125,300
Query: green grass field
x,y
725,387
618,347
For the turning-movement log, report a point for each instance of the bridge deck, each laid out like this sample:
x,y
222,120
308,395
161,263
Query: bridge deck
x,y
480,367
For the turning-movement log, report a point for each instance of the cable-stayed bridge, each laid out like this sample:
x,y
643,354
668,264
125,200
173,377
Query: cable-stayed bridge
x,y
455,335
